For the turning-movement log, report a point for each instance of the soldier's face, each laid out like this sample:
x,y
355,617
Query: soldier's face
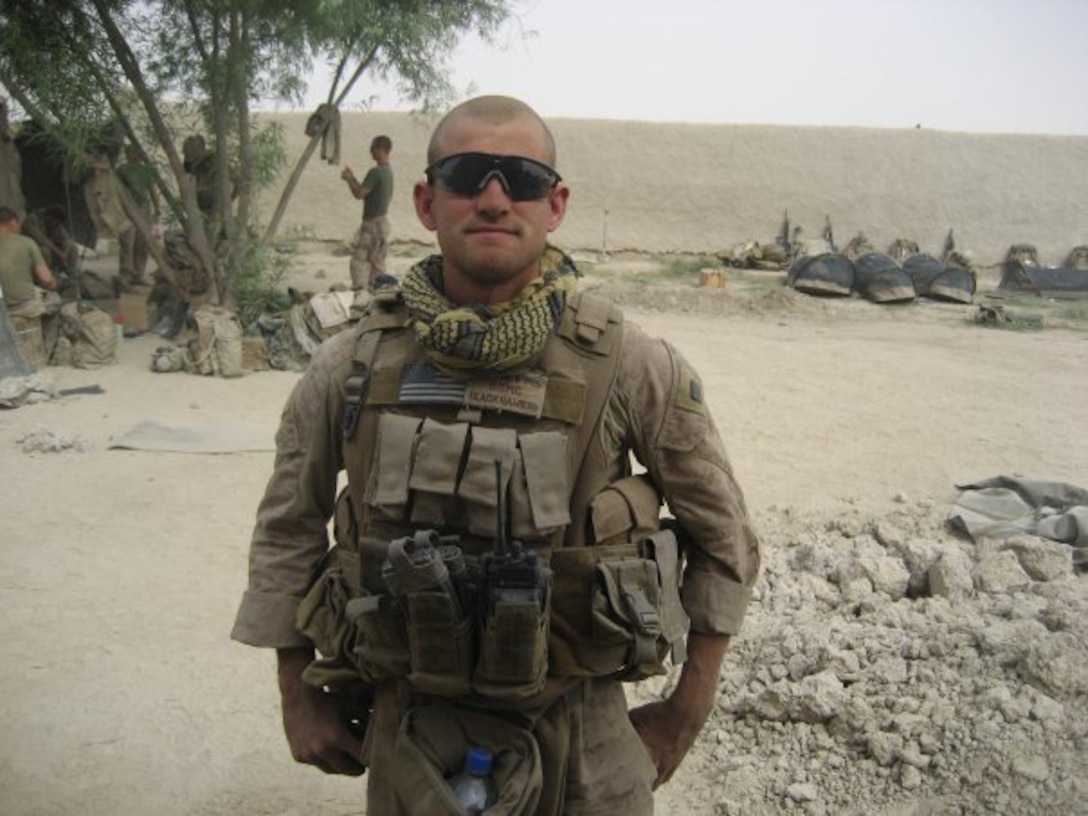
x,y
488,237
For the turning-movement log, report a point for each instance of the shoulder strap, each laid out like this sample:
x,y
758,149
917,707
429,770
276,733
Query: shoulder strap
x,y
592,329
369,335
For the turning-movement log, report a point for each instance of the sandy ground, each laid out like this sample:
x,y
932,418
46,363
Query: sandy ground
x,y
120,571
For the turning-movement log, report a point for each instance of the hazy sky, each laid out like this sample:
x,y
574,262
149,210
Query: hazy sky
x,y
1018,66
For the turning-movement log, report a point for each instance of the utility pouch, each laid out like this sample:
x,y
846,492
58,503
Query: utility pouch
x,y
513,640
442,642
430,748
387,492
380,646
322,616
626,610
617,609
663,549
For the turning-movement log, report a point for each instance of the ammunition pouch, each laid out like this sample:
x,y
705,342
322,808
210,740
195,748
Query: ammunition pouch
x,y
606,610
441,644
430,747
513,658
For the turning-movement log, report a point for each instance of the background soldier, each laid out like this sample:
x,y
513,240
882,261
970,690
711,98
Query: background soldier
x,y
371,243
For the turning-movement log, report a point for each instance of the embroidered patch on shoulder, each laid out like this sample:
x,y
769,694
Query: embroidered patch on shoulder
x,y
689,393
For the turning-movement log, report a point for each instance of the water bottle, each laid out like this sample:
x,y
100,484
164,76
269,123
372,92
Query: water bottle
x,y
474,787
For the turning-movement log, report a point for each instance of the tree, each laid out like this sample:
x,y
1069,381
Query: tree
x,y
407,38
158,68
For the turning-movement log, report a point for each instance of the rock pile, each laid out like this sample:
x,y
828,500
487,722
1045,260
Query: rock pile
x,y
889,666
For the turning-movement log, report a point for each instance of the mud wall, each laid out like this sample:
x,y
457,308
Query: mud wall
x,y
683,187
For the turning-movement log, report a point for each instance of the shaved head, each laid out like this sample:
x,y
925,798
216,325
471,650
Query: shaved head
x,y
490,110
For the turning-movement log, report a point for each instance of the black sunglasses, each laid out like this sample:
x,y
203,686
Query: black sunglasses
x,y
467,174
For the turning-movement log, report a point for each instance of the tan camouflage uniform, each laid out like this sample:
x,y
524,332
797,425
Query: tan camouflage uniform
x,y
609,770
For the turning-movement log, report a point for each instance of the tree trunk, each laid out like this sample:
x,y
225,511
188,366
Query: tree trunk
x,y
300,165
127,60
238,59
289,189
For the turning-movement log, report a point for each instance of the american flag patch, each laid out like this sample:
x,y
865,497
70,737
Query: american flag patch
x,y
423,384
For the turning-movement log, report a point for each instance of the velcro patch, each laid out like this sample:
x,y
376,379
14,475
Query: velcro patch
x,y
689,393
423,384
522,394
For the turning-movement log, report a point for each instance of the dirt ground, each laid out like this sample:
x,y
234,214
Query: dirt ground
x,y
120,571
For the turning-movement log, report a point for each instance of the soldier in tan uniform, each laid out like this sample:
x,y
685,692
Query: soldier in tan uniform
x,y
487,395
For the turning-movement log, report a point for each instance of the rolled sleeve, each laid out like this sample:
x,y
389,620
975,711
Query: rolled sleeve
x,y
674,437
291,531
268,620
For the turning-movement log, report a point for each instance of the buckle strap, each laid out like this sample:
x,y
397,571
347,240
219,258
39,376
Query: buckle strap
x,y
355,386
354,397
643,616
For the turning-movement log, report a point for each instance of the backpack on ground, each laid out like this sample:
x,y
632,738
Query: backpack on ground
x,y
217,348
88,337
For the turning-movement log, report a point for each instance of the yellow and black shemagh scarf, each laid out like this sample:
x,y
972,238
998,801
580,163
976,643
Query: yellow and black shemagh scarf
x,y
496,338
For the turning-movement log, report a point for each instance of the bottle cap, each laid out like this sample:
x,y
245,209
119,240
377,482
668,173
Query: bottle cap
x,y
478,761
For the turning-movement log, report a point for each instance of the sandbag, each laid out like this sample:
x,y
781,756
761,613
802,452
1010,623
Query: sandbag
x,y
881,280
954,283
922,269
826,274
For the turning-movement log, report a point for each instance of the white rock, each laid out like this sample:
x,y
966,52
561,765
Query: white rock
x,y
950,575
802,792
843,662
912,755
919,554
1032,767
887,574
890,670
800,665
1000,572
1041,559
1046,709
884,747
1059,662
816,698
856,589
910,777
889,534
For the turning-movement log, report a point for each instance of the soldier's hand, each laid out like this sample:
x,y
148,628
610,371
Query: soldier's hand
x,y
318,733
669,728
316,723
667,734
346,174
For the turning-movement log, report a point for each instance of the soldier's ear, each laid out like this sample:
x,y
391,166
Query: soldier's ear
x,y
423,196
557,201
